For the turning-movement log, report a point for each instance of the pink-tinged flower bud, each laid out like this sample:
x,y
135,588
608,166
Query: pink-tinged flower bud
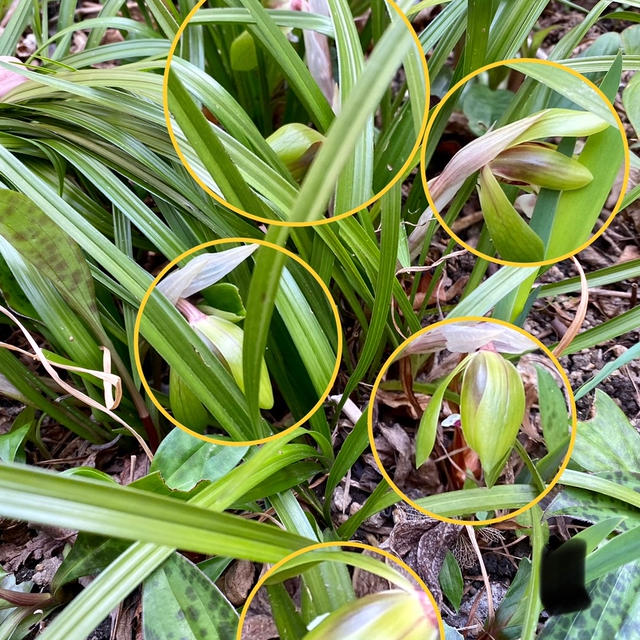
x,y
542,166
226,339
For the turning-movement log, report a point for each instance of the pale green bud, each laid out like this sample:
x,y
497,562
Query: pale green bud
x,y
492,406
227,338
296,145
243,54
388,615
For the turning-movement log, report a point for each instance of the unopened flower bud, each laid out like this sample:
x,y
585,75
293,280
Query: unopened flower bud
x,y
296,145
542,166
492,406
227,339
388,615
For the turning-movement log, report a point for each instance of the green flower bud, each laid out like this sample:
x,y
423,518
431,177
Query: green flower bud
x,y
243,53
388,615
540,165
296,145
227,338
492,405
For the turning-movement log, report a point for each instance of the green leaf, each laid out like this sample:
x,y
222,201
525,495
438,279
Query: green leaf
x,y
616,552
227,339
451,580
511,611
428,427
296,145
568,85
243,53
467,501
185,406
603,154
596,533
89,505
630,354
90,553
11,442
179,601
553,410
511,235
631,40
594,507
207,144
608,441
484,107
184,460
48,248
225,301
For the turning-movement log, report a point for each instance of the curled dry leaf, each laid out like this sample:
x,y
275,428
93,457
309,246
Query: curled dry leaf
x,y
106,376
581,312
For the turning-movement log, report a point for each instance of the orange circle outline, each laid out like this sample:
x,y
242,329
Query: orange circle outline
x,y
154,284
325,545
284,223
625,148
554,480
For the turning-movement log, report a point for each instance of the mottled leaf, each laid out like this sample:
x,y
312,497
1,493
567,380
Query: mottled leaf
x,y
45,245
553,410
484,107
608,441
595,507
179,601
614,610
